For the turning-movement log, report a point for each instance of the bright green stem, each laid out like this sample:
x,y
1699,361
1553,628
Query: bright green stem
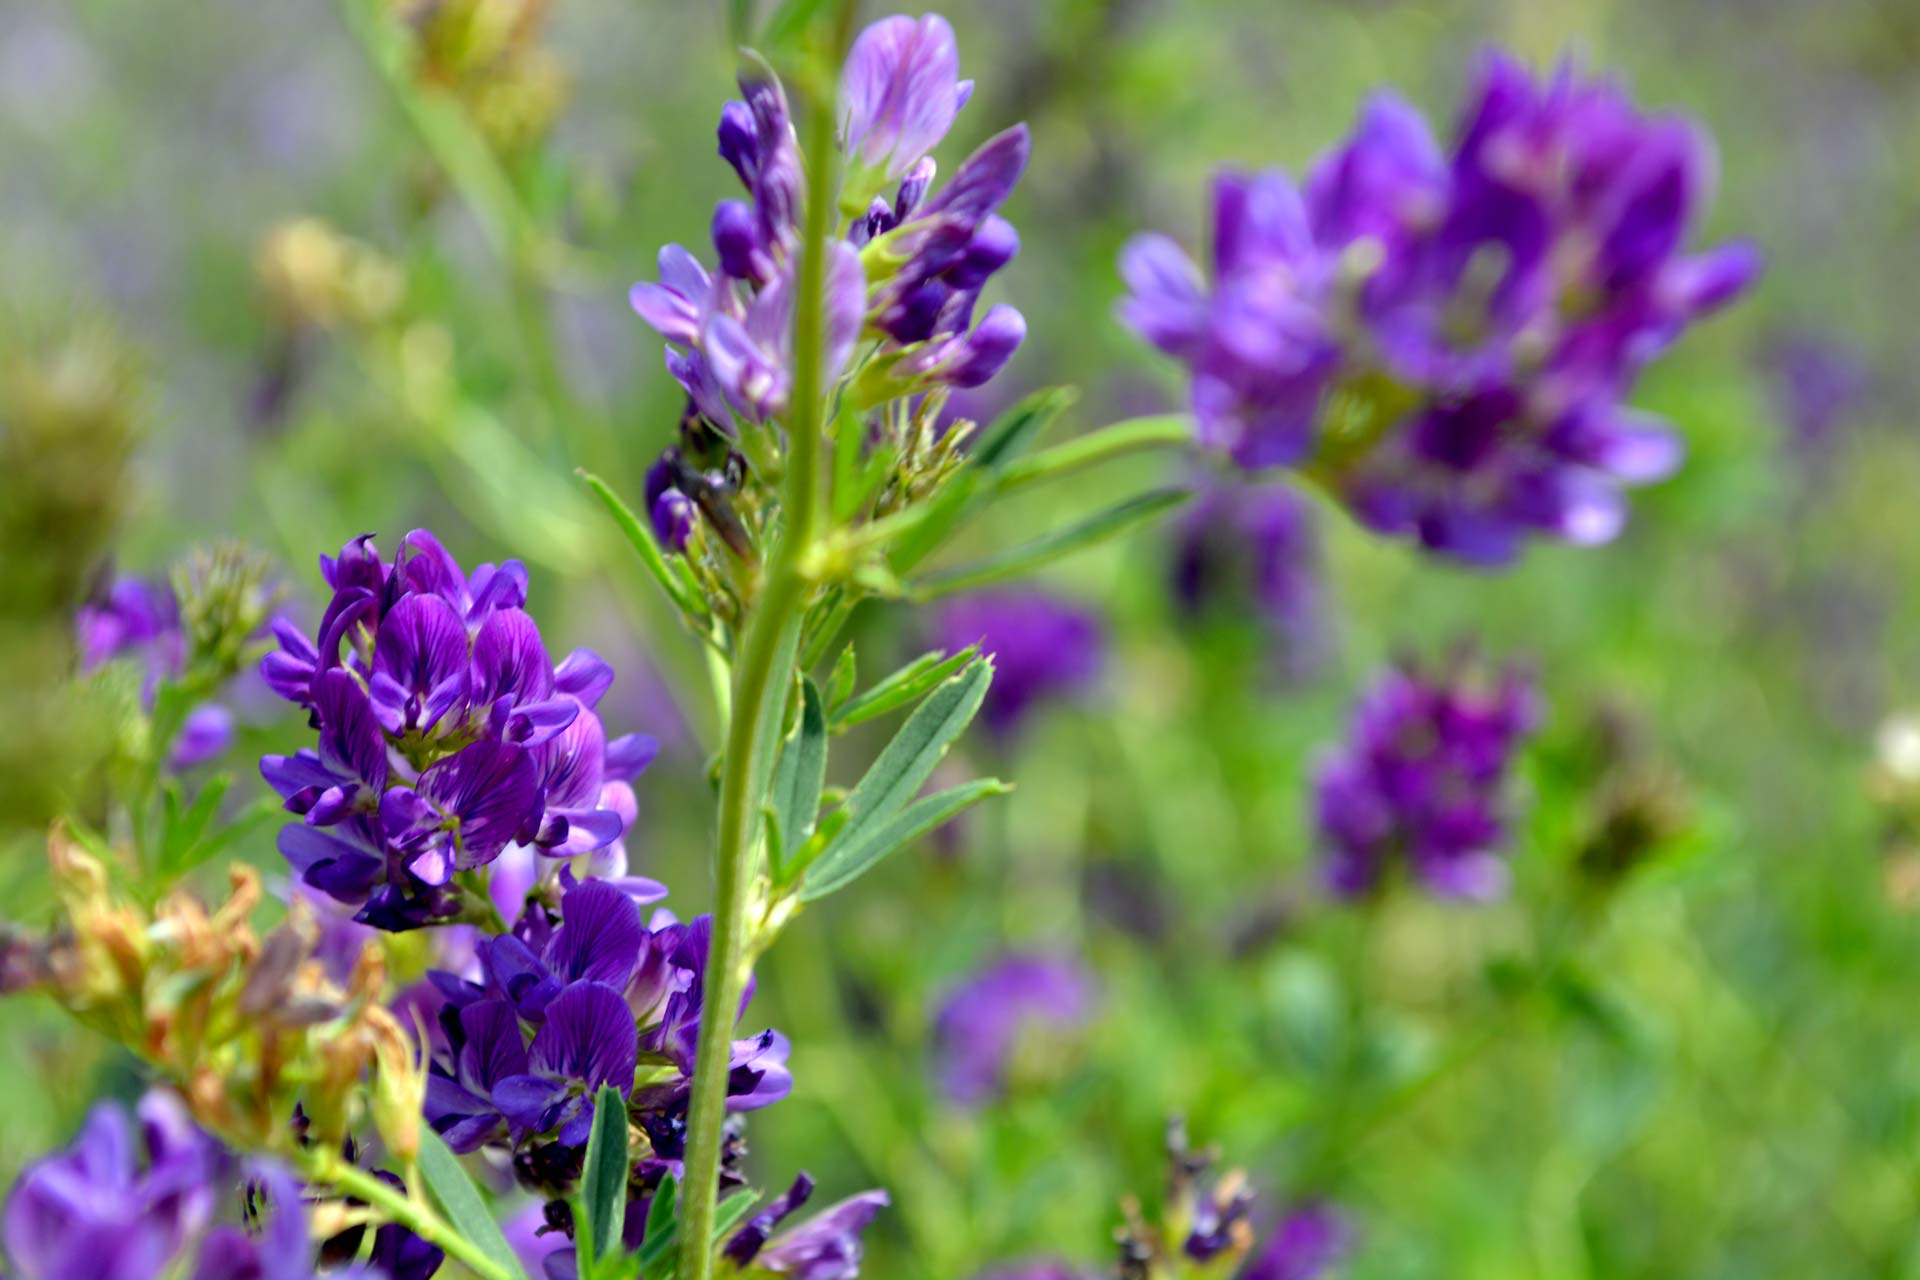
x,y
754,679
321,1164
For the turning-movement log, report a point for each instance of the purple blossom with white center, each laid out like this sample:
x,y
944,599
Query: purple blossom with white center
x,y
1043,647
1240,544
1447,336
1309,1242
1422,779
983,1023
119,1204
446,736
140,619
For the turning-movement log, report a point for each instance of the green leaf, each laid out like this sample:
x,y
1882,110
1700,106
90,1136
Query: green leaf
x,y
773,710
851,858
460,1201
1020,426
660,1251
903,767
1116,440
797,780
642,540
1023,559
789,23
603,1185
728,1213
841,679
968,488
906,685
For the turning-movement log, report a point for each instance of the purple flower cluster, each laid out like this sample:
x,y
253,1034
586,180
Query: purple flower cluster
x,y
1421,778
1042,647
1239,543
561,1008
98,1211
983,1023
139,619
824,1247
447,735
1448,336
907,278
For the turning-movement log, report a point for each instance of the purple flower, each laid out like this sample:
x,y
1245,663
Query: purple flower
x,y
1042,647
899,92
446,736
1421,778
1308,1243
983,1023
597,994
141,619
824,1247
99,1211
281,1251
1819,385
1240,544
1447,335
909,273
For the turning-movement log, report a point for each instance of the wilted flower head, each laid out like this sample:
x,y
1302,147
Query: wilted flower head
x,y
1446,338
447,734
1422,778
119,1204
985,1022
1042,647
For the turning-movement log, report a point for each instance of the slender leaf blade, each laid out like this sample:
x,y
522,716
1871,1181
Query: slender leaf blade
x,y
1023,559
642,540
852,858
799,778
906,685
604,1179
460,1200
773,710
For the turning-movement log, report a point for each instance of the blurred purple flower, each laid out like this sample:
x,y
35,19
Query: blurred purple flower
x,y
1422,778
1042,647
1239,545
1449,336
99,1211
140,619
982,1023
1820,384
1309,1242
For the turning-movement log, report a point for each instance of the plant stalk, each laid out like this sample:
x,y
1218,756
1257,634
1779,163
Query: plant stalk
x,y
754,681
323,1165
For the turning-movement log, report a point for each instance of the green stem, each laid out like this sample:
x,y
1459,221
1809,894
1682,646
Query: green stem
x,y
321,1164
753,677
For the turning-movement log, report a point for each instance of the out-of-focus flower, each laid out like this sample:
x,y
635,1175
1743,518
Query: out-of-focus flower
x,y
117,1205
315,277
1446,339
984,1024
1422,779
488,55
1308,1243
899,93
447,735
826,1246
1820,385
1042,646
1236,546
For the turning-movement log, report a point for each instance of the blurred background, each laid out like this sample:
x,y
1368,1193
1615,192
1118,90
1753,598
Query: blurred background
x,y
260,285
